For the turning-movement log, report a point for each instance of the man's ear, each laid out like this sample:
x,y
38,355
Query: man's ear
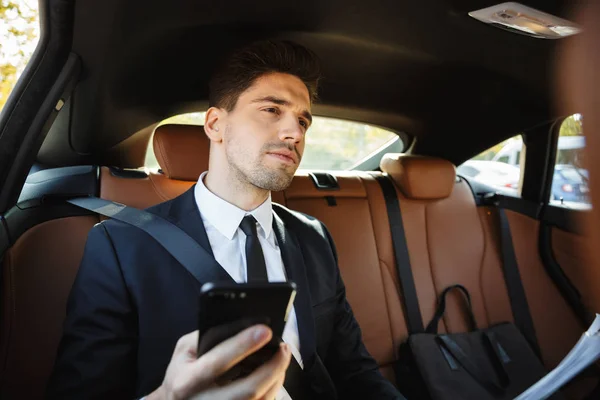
x,y
214,123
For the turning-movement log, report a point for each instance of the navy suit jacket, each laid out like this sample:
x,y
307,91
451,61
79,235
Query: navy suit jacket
x,y
131,302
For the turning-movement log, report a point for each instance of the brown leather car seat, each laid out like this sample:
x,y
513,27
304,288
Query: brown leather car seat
x,y
40,267
346,212
452,240
182,152
37,274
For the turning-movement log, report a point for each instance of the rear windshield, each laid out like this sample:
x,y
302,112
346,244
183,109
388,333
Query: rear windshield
x,y
331,144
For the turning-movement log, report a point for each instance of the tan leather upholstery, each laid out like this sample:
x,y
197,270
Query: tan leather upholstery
x,y
574,254
420,178
303,187
146,192
447,244
549,309
542,294
140,192
38,272
349,223
450,241
181,150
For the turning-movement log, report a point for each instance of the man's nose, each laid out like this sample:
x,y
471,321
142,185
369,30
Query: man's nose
x,y
291,130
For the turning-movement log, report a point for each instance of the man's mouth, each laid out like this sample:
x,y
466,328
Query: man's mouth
x,y
284,155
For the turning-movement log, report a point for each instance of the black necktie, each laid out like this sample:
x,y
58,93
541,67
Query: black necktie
x,y
255,259
257,272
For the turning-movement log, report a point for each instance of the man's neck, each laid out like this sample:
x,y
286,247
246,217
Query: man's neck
x,y
245,196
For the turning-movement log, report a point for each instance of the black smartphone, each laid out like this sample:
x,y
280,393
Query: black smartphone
x,y
228,308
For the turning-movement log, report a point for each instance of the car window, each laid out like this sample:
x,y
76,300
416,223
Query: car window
x,y
468,170
503,159
331,144
498,166
19,33
570,187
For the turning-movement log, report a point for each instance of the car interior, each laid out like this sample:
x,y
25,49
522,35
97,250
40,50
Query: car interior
x,y
89,107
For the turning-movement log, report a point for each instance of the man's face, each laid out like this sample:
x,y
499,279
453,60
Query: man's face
x,y
264,136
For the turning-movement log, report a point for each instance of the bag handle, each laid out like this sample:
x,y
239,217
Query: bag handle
x,y
441,308
477,373
499,357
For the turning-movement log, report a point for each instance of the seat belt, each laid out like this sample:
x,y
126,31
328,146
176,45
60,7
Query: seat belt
x,y
514,284
185,250
414,320
516,293
178,243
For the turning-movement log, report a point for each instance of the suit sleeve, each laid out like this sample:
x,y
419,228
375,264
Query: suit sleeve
x,y
355,373
97,354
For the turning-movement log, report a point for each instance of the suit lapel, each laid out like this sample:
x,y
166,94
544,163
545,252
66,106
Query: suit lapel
x,y
184,213
296,272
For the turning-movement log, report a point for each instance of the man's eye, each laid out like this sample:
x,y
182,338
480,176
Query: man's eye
x,y
304,124
272,110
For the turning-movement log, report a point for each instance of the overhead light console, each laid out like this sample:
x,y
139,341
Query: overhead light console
x,y
525,20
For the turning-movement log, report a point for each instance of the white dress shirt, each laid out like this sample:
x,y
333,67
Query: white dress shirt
x,y
222,223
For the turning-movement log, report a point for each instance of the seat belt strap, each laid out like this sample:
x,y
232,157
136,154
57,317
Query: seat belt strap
x,y
414,320
178,243
514,284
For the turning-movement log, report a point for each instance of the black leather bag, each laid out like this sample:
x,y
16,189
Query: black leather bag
x,y
496,363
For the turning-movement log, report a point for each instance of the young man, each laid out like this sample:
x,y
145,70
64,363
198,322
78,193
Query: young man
x,y
132,301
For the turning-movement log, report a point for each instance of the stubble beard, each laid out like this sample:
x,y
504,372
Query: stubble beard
x,y
254,173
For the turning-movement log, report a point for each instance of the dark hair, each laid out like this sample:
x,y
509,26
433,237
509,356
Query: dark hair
x,y
249,63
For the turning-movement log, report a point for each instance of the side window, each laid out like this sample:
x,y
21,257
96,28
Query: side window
x,y
19,33
504,159
498,167
570,179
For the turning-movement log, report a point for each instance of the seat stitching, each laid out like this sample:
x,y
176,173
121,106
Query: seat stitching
x,y
157,190
396,345
435,288
481,266
163,153
387,306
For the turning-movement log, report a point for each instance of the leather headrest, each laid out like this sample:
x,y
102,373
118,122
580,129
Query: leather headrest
x,y
181,150
418,177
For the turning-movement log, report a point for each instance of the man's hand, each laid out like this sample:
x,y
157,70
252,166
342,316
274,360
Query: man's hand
x,y
191,377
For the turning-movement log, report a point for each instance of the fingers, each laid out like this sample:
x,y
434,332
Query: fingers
x,y
267,379
273,390
230,352
187,344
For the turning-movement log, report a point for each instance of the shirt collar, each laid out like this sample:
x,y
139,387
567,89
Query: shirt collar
x,y
226,217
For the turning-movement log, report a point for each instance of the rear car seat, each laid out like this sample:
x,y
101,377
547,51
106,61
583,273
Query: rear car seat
x,y
344,208
182,153
450,240
456,242
47,242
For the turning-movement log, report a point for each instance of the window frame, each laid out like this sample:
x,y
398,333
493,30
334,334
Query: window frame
x,y
551,166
